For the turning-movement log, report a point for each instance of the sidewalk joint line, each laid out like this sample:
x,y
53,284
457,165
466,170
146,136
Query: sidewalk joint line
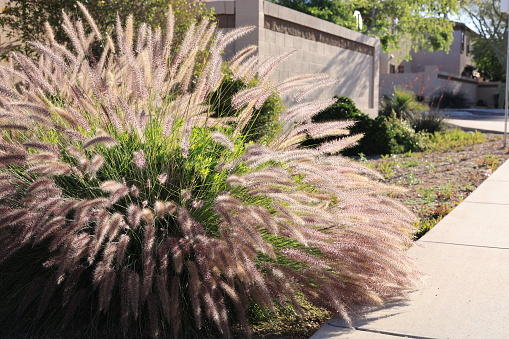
x,y
451,243
385,332
485,203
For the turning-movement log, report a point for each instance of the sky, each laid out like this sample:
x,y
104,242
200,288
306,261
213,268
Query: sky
x,y
464,18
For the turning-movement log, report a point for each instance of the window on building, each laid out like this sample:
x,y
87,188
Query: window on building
x,y
468,44
392,68
401,69
468,71
462,41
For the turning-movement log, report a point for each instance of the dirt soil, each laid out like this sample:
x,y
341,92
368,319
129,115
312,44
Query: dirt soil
x,y
437,181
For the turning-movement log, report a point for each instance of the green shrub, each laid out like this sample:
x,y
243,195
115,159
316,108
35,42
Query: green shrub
x,y
382,135
403,104
264,125
389,135
453,139
342,109
481,103
430,122
449,99
128,209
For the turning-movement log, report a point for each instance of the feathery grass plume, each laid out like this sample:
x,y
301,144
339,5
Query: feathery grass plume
x,y
14,126
298,82
95,164
149,262
125,197
186,194
242,55
9,159
42,157
139,159
133,215
223,140
268,66
302,112
90,21
159,209
100,140
329,129
5,92
339,144
162,178
34,108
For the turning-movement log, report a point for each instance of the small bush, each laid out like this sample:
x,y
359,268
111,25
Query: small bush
x,y
429,122
449,99
481,103
343,109
264,124
403,104
389,135
382,135
453,139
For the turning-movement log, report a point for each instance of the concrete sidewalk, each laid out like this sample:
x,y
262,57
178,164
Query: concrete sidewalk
x,y
483,120
464,292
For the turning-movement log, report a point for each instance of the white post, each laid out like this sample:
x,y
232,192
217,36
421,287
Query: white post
x,y
504,7
506,110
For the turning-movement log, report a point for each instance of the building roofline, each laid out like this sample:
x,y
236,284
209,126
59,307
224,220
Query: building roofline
x,y
458,25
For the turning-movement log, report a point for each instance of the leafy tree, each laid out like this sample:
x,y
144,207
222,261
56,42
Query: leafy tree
x,y
24,20
487,61
338,12
489,48
425,24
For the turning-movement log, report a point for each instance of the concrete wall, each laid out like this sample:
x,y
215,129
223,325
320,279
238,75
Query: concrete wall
x,y
419,83
351,58
433,81
451,82
486,91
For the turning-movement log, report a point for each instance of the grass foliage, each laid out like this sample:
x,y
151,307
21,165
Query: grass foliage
x,y
449,99
402,104
453,139
429,122
129,207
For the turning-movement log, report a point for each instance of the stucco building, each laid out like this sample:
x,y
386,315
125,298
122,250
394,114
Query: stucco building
x,y
457,61
428,73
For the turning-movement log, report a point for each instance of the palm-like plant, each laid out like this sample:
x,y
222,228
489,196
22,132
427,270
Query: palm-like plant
x,y
402,104
124,202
